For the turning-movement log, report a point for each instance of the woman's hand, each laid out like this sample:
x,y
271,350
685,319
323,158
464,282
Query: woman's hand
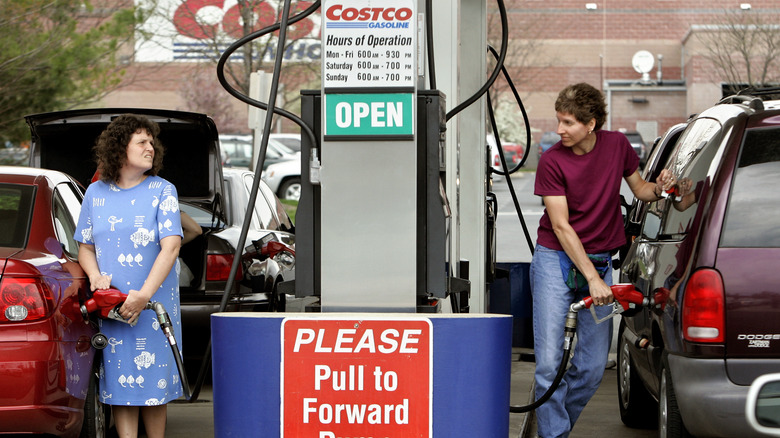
x,y
133,306
600,292
665,181
99,282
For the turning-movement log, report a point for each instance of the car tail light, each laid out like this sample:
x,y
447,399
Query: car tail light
x,y
218,267
24,299
703,308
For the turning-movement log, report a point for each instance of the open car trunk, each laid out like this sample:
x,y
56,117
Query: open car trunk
x,y
64,140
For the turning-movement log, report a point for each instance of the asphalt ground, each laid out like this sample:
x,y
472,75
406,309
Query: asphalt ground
x,y
601,417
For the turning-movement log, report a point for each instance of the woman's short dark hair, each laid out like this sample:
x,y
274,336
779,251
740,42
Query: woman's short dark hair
x,y
111,147
584,102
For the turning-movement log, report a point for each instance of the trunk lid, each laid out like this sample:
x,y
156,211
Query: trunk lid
x,y
63,141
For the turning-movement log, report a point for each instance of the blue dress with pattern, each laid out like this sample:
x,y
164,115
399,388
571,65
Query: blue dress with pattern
x,y
126,226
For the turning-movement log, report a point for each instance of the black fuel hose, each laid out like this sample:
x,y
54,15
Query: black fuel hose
x,y
502,57
553,386
305,129
569,330
270,109
167,328
429,43
522,110
509,182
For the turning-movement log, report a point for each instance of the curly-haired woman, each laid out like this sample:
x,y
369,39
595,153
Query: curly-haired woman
x,y
130,232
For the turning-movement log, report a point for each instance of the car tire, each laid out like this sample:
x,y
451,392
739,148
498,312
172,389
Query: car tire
x,y
637,407
97,416
290,189
670,423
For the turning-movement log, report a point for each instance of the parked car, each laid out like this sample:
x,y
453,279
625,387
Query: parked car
x,y
639,145
48,372
707,255
284,178
258,275
292,141
237,151
63,140
549,138
513,154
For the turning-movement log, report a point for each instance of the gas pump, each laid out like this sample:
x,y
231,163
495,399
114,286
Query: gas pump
x,y
422,240
387,201
377,220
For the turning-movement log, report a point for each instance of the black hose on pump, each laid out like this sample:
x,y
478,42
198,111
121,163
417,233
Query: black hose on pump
x,y
270,110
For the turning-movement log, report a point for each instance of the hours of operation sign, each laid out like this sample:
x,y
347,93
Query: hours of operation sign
x,y
368,43
356,378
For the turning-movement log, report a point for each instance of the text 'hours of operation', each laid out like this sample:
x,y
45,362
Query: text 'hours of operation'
x,y
369,46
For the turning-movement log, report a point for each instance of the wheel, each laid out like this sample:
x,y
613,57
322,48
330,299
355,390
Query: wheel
x,y
637,407
670,423
291,189
96,414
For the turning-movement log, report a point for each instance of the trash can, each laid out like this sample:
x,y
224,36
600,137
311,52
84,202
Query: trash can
x,y
510,294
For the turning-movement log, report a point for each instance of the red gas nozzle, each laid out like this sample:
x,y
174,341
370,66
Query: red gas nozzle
x,y
626,297
103,301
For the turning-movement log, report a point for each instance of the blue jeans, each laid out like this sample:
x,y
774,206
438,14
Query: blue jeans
x,y
551,301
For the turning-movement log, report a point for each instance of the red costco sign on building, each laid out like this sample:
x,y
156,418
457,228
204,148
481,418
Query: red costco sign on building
x,y
356,378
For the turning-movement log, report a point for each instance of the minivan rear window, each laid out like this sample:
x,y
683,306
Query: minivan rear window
x,y
754,203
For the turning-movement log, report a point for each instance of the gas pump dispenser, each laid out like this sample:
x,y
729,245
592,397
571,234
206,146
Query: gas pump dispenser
x,y
389,201
376,238
374,212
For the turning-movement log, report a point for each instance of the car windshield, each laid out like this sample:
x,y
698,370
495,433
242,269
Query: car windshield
x,y
754,204
15,211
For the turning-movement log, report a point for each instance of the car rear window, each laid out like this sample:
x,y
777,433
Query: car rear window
x,y
15,211
754,203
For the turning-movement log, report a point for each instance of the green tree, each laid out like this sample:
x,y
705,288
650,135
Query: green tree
x,y
54,55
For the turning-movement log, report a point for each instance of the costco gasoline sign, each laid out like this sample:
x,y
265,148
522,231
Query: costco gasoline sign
x,y
368,43
368,63
356,378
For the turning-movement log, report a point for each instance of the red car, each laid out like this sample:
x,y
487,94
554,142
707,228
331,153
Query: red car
x,y
47,363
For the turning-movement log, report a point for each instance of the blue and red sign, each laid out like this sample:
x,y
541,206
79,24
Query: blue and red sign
x,y
356,377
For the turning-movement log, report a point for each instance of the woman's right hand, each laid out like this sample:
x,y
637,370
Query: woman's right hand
x,y
600,292
99,282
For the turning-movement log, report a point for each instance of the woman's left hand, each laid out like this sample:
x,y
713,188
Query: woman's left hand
x,y
665,180
133,306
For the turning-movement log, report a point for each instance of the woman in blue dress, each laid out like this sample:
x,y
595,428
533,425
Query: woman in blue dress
x,y
130,232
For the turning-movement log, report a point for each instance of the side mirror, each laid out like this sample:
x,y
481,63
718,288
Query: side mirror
x,y
762,407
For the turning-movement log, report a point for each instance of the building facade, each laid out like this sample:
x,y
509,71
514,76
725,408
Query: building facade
x,y
652,59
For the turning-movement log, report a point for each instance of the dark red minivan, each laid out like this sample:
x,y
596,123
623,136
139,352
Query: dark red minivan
x,y
713,247
47,364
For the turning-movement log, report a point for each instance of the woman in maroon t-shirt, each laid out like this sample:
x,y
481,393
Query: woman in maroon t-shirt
x,y
579,180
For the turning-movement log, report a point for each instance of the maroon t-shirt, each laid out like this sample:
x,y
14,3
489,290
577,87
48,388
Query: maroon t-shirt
x,y
591,184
